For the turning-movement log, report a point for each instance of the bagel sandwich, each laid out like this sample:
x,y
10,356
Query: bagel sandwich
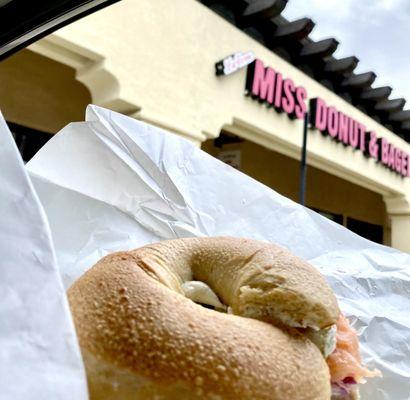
x,y
213,318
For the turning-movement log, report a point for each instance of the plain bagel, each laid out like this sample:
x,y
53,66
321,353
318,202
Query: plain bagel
x,y
141,338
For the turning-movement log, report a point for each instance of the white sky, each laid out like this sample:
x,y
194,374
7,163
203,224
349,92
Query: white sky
x,y
377,32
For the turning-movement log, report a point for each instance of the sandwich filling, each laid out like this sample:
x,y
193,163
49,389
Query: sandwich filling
x,y
199,292
339,344
324,339
345,364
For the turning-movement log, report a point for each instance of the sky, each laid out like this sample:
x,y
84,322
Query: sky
x,y
377,32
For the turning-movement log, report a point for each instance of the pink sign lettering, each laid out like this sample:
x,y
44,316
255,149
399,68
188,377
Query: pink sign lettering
x,y
362,137
288,100
346,130
269,86
300,108
404,161
333,121
374,146
343,133
263,84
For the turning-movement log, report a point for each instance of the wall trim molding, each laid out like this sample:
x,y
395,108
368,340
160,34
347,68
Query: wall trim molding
x,y
92,70
397,205
282,146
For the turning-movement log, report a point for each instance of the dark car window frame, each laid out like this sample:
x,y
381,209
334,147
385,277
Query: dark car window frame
x,y
24,22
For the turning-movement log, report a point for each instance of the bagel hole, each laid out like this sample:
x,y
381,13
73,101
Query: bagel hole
x,y
206,306
210,307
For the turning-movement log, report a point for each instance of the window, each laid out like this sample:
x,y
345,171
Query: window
x,y
29,141
367,230
332,216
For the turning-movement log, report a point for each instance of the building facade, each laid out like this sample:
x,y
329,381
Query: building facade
x,y
155,61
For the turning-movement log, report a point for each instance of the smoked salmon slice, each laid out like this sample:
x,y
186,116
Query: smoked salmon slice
x,y
345,363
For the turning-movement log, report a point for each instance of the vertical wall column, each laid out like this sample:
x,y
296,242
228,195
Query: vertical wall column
x,y
400,232
398,210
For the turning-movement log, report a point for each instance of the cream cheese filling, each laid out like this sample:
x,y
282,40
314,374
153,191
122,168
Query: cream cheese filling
x,y
324,339
200,292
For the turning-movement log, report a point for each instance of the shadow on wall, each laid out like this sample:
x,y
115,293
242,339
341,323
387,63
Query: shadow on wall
x,y
40,93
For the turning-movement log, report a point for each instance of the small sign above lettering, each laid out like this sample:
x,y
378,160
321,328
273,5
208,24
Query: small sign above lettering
x,y
234,62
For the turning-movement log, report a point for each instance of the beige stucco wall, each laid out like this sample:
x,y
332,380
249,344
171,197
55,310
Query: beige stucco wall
x,y
155,60
40,93
400,234
163,54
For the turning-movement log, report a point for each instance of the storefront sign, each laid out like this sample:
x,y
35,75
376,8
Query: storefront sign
x,y
269,86
234,62
346,130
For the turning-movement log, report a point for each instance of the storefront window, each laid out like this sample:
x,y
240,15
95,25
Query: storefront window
x,y
365,229
332,216
29,141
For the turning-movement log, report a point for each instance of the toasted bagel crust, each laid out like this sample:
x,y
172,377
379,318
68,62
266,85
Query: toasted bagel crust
x,y
137,331
256,279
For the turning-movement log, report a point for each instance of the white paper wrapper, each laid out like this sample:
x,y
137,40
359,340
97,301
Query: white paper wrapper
x,y
115,183
39,354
